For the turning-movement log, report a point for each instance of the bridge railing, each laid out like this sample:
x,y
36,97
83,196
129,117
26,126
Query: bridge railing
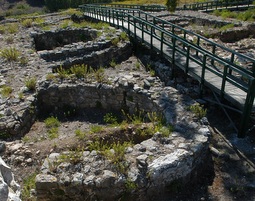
x,y
216,4
144,7
171,41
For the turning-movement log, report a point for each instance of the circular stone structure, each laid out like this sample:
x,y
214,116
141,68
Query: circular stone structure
x,y
151,166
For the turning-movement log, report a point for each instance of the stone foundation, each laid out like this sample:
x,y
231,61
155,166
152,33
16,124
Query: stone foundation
x,y
153,165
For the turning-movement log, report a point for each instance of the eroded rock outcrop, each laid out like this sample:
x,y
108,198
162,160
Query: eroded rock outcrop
x,y
9,189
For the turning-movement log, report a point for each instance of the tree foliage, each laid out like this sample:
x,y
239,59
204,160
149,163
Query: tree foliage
x,y
55,5
171,5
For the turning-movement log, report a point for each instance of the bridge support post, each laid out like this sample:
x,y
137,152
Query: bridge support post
x,y
247,110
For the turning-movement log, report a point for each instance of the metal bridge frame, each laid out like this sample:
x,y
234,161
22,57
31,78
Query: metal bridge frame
x,y
135,20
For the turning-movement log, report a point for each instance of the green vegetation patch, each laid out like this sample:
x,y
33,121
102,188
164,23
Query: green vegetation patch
x,y
52,124
248,15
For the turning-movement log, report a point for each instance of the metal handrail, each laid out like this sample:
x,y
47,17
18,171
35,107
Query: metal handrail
x,y
216,4
138,20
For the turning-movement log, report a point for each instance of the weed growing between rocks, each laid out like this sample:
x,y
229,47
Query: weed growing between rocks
x,y
10,54
80,71
6,91
198,110
52,125
31,83
28,185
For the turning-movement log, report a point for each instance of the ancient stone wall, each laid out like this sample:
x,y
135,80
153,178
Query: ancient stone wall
x,y
152,165
49,40
18,119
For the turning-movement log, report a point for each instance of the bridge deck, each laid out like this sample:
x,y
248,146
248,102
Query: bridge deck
x,y
232,93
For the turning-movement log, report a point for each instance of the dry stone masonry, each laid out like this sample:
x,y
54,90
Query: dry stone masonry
x,y
153,164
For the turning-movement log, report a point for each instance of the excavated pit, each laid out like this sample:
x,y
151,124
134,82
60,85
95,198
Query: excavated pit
x,y
151,164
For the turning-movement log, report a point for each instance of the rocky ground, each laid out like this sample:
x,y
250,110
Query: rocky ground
x,y
231,175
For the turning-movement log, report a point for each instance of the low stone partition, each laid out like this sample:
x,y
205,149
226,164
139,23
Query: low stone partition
x,y
153,165
48,40
81,46
18,115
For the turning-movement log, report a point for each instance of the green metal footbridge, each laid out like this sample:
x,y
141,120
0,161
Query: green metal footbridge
x,y
219,5
200,58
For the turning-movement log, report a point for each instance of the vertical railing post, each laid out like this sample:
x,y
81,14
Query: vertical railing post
x,y
202,80
232,61
135,29
223,84
184,36
187,60
198,43
161,43
253,69
128,25
151,39
247,109
173,53
117,18
213,51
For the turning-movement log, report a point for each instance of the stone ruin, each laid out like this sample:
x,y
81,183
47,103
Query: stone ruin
x,y
153,164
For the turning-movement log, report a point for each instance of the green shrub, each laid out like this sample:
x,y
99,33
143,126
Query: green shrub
x,y
65,24
198,110
10,54
117,156
124,36
52,133
171,5
12,28
22,6
166,130
39,21
115,41
52,125
72,157
79,71
52,122
113,63
109,118
228,14
6,91
27,23
99,75
31,83
137,65
136,118
217,13
226,27
96,129
248,15
28,185
62,73
50,76
2,29
80,134
21,96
